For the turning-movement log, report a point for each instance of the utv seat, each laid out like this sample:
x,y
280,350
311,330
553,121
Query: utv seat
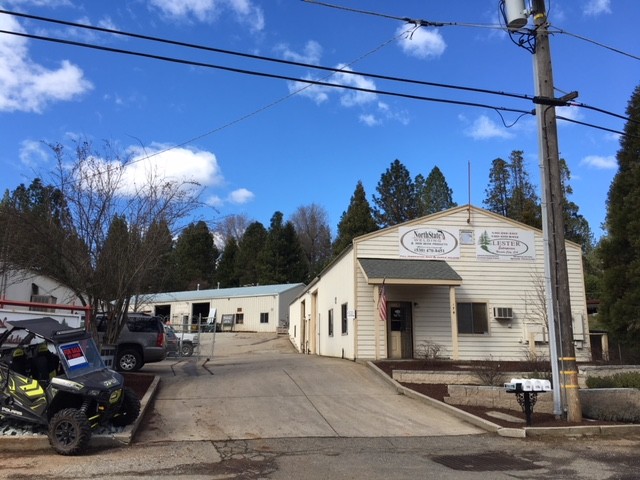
x,y
19,362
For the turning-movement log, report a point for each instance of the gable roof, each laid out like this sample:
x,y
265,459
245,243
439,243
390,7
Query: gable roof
x,y
210,294
408,271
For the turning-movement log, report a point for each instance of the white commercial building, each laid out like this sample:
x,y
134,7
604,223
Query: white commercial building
x,y
464,284
263,308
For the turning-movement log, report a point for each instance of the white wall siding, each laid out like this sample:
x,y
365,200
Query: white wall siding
x,y
17,286
496,283
275,304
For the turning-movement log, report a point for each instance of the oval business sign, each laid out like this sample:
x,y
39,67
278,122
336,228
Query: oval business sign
x,y
428,242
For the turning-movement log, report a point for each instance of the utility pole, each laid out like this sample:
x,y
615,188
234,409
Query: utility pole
x,y
554,225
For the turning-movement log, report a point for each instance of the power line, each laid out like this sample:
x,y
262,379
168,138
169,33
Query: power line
x,y
307,65
429,23
560,117
260,74
580,37
309,82
262,57
415,21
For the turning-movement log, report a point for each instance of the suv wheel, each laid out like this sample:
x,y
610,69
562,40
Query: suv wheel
x,y
129,360
69,432
186,350
129,411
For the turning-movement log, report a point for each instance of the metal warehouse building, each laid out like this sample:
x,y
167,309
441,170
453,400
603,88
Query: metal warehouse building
x,y
263,308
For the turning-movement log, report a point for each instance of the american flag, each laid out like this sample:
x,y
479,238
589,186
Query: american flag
x,y
382,303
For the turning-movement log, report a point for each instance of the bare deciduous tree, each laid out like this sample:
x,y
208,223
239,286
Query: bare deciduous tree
x,y
100,229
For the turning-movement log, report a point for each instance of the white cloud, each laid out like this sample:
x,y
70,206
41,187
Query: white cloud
x,y
599,162
209,10
596,7
572,113
33,153
348,98
29,87
178,164
311,53
241,196
40,3
370,120
422,42
214,201
484,128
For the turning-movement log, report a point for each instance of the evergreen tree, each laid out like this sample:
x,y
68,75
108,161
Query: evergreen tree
x,y
434,194
510,192
396,201
314,233
160,276
282,260
296,265
248,263
620,249
356,221
195,257
524,205
226,273
576,227
498,193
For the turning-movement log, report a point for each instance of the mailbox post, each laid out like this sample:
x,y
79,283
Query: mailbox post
x,y
526,391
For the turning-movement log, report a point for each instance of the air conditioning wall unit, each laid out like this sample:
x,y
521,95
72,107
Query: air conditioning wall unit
x,y
503,313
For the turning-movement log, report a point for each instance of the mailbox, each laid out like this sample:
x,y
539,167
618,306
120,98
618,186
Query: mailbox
x,y
526,391
521,385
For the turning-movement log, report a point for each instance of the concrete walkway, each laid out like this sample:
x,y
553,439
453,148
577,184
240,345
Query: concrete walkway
x,y
256,386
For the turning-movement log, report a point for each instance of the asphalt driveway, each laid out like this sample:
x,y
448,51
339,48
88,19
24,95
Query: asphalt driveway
x,y
251,386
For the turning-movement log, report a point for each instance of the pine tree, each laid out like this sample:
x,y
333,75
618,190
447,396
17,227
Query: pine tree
x,y
195,257
620,249
396,201
576,227
248,263
226,273
161,274
282,260
434,194
356,221
510,192
524,204
498,193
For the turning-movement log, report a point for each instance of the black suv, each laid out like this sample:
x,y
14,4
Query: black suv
x,y
53,375
142,340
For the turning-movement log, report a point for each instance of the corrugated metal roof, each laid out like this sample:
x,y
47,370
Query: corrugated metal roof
x,y
439,272
191,295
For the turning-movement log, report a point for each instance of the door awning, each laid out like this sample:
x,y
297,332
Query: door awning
x,y
408,272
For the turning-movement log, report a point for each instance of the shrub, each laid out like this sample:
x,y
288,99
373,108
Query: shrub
x,y
537,365
429,351
618,380
490,373
616,410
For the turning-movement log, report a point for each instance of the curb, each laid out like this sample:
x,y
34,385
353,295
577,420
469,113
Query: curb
x,y
41,442
511,432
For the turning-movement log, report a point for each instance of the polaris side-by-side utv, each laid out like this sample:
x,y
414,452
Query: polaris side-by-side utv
x,y
53,375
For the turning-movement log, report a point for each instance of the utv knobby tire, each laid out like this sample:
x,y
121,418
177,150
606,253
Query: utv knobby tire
x,y
186,349
129,360
69,432
129,409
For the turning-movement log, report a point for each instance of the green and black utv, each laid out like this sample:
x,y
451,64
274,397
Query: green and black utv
x,y
53,375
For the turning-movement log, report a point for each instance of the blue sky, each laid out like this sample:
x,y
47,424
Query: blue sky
x,y
257,145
